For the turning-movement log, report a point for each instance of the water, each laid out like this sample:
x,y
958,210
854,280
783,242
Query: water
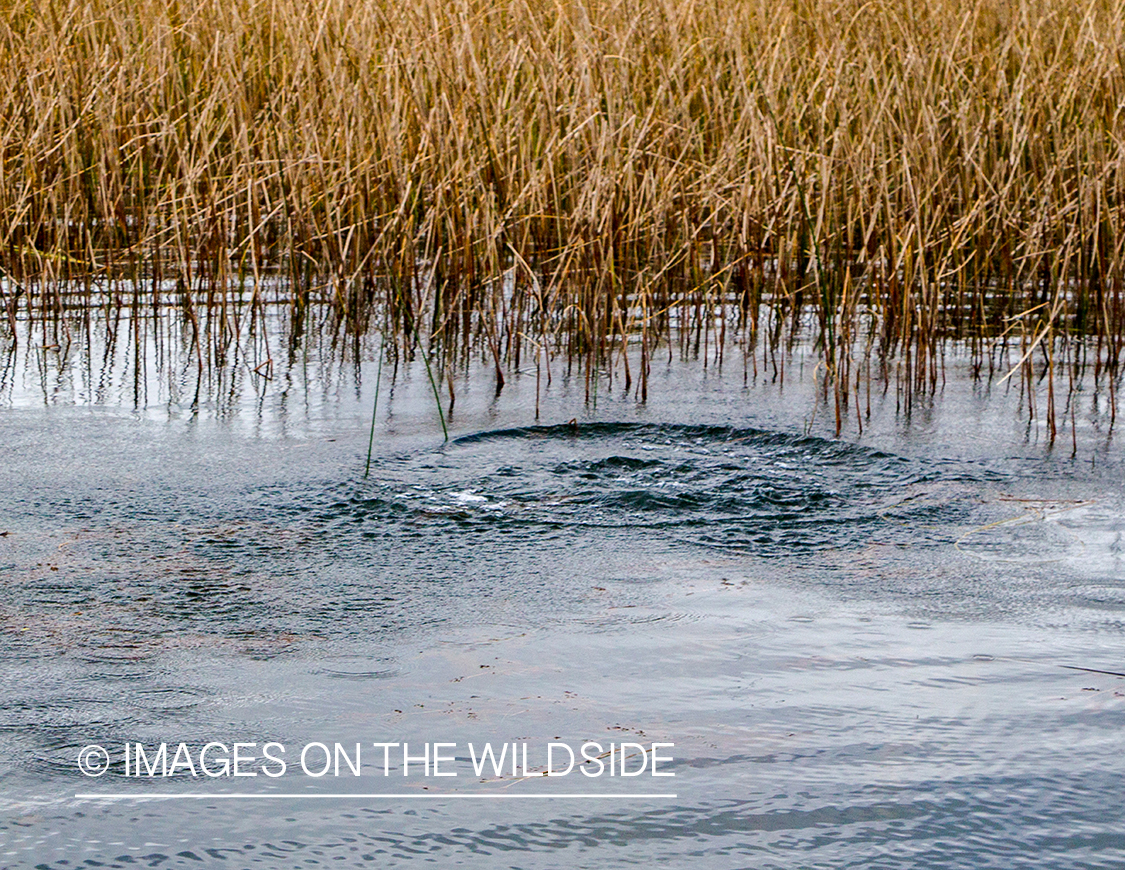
x,y
863,649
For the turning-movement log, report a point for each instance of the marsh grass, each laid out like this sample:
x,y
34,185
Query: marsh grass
x,y
556,182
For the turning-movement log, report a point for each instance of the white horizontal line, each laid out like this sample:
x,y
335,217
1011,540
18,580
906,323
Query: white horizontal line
x,y
356,797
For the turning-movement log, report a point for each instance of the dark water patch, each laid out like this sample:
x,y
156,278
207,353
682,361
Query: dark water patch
x,y
708,485
523,515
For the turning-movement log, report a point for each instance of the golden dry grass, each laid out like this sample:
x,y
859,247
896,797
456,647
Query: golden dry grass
x,y
517,175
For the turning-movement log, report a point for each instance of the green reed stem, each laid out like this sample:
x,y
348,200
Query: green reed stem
x,y
374,407
433,383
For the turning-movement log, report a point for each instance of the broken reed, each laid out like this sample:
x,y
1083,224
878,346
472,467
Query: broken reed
x,y
545,178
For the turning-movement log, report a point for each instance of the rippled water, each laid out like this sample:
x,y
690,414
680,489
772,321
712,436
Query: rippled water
x,y
864,649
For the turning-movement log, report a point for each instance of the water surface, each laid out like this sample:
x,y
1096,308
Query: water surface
x,y
863,648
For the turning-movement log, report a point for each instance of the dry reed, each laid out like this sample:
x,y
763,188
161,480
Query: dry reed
x,y
533,180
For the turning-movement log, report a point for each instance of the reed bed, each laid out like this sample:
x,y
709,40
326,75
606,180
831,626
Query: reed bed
x,y
595,182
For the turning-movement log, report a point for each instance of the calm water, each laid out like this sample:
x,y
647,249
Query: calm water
x,y
863,648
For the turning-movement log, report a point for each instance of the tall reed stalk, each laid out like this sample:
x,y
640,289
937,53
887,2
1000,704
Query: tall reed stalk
x,y
506,176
